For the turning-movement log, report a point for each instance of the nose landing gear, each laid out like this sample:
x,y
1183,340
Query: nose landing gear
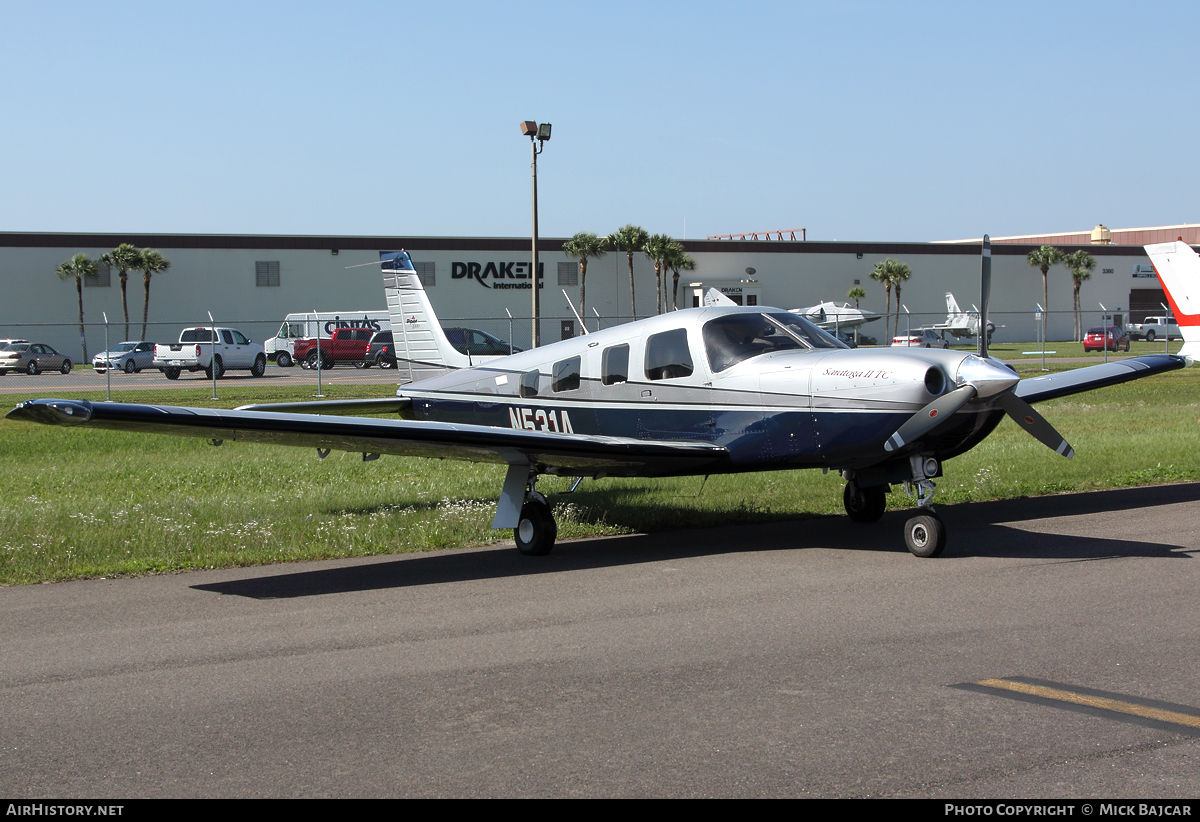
x,y
924,534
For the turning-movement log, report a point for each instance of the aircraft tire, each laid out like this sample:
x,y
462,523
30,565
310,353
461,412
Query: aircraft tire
x,y
925,535
864,504
536,531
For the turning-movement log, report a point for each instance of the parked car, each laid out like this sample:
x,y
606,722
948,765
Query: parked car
x,y
478,343
382,350
32,358
1095,340
1153,328
922,339
128,356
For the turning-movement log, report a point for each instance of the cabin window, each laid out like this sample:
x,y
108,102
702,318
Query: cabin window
x,y
529,384
566,375
614,364
667,355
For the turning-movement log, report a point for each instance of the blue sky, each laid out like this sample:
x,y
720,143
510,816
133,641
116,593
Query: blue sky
x,y
857,121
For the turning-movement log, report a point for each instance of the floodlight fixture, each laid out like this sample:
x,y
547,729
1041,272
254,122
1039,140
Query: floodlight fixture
x,y
544,132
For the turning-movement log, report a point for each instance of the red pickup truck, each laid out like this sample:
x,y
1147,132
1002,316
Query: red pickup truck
x,y
344,345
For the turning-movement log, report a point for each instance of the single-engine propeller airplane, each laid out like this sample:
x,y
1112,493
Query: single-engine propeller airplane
x,y
695,392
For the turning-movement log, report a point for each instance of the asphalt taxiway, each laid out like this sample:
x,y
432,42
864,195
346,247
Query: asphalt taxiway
x,y
1051,652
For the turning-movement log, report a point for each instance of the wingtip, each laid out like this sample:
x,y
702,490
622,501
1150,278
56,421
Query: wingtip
x,y
52,412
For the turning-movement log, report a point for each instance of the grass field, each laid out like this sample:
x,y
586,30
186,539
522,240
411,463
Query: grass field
x,y
82,503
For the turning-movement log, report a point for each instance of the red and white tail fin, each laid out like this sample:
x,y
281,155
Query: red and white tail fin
x,y
1178,269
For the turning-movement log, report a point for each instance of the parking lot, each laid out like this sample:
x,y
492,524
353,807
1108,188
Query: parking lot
x,y
84,379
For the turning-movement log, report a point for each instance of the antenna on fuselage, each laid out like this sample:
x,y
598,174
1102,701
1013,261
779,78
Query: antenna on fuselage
x,y
985,293
582,324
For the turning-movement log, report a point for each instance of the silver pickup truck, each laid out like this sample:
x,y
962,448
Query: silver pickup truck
x,y
193,352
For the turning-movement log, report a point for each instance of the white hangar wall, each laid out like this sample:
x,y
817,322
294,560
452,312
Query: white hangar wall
x,y
253,281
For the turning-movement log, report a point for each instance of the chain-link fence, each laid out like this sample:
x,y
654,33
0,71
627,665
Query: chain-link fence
x,y
1009,327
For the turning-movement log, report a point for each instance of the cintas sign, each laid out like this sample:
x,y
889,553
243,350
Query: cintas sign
x,y
502,275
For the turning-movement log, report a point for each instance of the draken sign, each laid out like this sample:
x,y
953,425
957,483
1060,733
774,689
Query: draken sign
x,y
502,275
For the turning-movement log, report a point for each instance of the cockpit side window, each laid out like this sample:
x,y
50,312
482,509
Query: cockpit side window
x,y
529,383
565,375
668,356
614,364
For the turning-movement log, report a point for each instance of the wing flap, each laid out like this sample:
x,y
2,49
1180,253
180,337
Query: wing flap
x,y
567,454
1050,386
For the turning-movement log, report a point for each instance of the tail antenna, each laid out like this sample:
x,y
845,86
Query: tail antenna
x,y
985,293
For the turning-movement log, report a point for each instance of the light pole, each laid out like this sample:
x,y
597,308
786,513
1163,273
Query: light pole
x,y
538,135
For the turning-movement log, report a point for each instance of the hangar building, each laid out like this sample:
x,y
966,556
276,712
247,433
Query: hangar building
x,y
252,282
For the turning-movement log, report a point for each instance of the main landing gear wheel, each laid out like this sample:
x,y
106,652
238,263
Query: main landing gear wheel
x,y
925,535
536,531
864,504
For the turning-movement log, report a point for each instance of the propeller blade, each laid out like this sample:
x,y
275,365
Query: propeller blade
x,y
985,294
930,416
1023,415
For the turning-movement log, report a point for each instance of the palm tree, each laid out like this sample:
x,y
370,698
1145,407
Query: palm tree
x,y
657,248
149,262
900,274
856,294
678,260
123,258
1043,258
885,272
629,239
1080,264
79,266
583,247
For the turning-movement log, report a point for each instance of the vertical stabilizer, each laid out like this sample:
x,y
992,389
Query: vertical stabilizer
x,y
1178,269
422,350
952,309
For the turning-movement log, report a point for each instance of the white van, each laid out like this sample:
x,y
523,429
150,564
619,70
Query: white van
x,y
280,348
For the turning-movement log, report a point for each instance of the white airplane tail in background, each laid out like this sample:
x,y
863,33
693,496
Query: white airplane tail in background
x,y
712,297
1178,269
422,350
952,309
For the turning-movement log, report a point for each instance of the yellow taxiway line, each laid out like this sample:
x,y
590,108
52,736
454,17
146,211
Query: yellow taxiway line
x,y
1116,705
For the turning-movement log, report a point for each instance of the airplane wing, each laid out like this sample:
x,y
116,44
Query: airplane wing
x,y
563,454
1051,386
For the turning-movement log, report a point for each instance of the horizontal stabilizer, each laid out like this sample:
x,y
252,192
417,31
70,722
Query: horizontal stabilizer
x,y
342,408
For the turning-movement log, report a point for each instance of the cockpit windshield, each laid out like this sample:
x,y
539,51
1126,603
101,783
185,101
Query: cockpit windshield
x,y
736,337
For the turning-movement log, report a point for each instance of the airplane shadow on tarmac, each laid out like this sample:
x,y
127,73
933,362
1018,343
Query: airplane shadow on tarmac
x,y
975,530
